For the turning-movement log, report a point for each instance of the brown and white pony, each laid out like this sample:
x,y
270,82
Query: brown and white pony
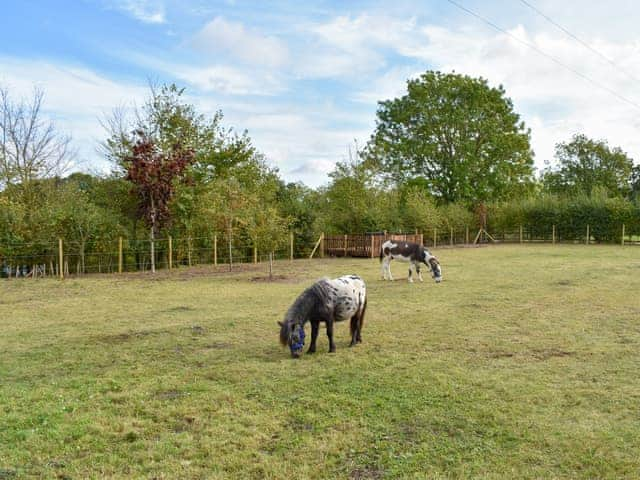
x,y
328,301
413,253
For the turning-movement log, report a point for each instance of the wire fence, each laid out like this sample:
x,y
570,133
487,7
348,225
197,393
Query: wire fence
x,y
68,258
61,258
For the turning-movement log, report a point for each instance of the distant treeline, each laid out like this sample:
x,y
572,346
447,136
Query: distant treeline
x,y
433,161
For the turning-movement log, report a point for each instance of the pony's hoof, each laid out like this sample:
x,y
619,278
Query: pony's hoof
x,y
353,344
332,350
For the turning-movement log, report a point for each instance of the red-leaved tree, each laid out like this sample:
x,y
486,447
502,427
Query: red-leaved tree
x,y
154,173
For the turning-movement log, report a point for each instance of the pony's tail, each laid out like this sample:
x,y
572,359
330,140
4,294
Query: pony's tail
x,y
358,318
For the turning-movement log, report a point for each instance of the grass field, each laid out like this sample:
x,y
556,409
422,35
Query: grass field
x,y
523,363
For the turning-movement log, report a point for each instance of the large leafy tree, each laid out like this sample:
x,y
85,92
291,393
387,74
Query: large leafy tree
x,y
458,134
635,183
154,172
584,165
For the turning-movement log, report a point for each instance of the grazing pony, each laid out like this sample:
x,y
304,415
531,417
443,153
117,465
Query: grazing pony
x,y
325,301
408,252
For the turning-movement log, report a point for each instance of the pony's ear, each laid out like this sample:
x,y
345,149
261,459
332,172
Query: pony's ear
x,y
280,323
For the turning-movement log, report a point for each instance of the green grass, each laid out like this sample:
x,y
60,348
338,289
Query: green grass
x,y
523,363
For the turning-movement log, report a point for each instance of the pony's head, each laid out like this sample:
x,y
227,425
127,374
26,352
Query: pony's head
x,y
292,335
434,265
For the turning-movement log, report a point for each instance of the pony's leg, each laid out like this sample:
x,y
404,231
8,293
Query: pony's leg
x,y
411,264
361,321
332,346
383,267
315,327
419,272
388,267
354,329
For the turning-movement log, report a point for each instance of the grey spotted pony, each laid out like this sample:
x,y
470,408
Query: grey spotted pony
x,y
414,253
328,301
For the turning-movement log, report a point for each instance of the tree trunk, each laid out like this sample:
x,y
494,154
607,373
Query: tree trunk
x,y
82,267
153,236
153,250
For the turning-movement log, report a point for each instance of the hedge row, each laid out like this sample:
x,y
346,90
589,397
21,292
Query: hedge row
x,y
604,216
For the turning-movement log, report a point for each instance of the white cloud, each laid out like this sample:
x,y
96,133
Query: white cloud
x,y
227,80
76,99
147,11
554,102
350,46
221,36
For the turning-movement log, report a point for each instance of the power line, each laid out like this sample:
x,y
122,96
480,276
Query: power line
x,y
580,41
555,60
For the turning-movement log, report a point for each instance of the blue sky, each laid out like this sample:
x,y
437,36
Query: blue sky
x,y
304,78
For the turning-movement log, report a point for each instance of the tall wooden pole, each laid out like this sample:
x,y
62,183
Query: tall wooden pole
x,y
170,252
345,245
622,240
451,237
119,254
520,233
322,245
291,246
435,237
466,235
588,235
553,235
215,249
60,256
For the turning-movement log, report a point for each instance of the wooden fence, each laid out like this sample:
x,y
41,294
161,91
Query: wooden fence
x,y
363,245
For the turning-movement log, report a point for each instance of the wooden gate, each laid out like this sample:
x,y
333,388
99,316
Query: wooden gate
x,y
364,245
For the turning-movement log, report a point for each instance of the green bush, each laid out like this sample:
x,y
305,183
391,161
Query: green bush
x,y
604,216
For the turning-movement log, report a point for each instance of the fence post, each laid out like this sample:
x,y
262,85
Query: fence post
x,y
588,235
345,245
435,236
60,256
215,250
520,233
466,235
119,254
291,246
622,241
170,252
553,235
372,246
422,239
255,254
322,245
451,237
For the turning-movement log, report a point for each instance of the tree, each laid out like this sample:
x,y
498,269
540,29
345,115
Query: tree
x,y
583,165
458,134
635,183
30,147
154,172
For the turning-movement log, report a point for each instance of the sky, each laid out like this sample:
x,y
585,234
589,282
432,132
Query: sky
x,y
304,78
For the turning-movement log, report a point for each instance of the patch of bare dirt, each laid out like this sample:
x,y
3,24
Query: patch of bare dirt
x,y
274,278
366,473
551,353
169,395
127,336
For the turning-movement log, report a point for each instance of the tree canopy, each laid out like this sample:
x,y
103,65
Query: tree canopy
x,y
584,165
458,134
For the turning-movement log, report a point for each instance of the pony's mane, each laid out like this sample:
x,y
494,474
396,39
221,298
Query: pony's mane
x,y
299,311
